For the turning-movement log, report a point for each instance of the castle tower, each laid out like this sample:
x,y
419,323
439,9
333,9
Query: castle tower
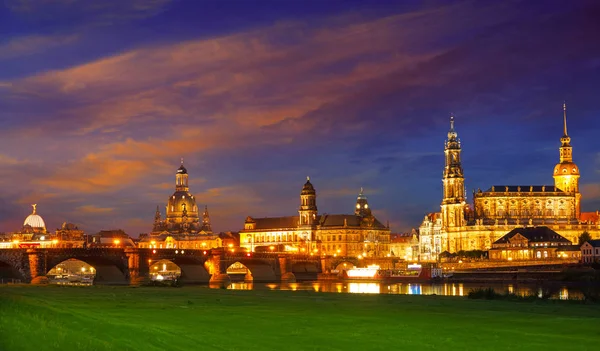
x,y
453,203
566,173
362,206
308,204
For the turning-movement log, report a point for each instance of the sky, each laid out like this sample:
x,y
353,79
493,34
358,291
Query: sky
x,y
99,101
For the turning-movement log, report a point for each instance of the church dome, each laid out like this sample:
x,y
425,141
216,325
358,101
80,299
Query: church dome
x,y
180,200
566,168
34,220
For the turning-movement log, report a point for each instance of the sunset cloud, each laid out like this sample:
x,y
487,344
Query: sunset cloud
x,y
353,99
34,44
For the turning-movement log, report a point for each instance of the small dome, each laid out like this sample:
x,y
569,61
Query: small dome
x,y
181,170
308,188
34,220
566,168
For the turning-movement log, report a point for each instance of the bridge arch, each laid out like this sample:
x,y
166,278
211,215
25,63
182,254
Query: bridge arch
x,y
105,269
338,263
344,266
237,271
192,270
72,271
259,270
164,270
8,273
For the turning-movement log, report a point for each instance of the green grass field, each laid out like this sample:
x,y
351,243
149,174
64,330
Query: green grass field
x,y
194,318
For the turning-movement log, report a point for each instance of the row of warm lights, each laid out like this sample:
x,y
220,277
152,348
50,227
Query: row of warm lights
x,y
153,245
82,269
54,241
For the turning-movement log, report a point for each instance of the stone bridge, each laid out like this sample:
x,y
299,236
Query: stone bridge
x,y
132,265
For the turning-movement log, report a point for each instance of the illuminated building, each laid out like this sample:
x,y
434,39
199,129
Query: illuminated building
x,y
590,251
529,243
32,234
111,238
503,208
182,227
69,235
405,246
358,234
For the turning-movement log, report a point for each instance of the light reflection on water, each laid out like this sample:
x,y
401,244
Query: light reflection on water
x,y
444,289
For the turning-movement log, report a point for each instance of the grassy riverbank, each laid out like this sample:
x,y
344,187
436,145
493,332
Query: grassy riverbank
x,y
194,318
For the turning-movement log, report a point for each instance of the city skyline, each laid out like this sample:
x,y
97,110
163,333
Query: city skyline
x,y
253,113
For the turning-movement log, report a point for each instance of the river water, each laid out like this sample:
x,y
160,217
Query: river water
x,y
562,292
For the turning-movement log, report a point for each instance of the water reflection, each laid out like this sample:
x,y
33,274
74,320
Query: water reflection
x,y
445,289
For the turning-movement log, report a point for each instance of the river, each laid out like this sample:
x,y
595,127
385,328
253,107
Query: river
x,y
556,291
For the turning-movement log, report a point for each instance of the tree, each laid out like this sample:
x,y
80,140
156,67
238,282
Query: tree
x,y
585,236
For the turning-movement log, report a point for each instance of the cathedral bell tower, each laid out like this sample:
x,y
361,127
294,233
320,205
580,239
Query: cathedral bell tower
x,y
566,173
453,203
308,204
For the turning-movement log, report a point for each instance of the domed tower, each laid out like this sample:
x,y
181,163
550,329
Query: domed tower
x,y
308,204
182,212
362,206
453,203
566,173
34,221
181,178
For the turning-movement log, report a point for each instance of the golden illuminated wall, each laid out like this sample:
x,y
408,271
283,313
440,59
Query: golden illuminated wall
x,y
177,242
342,241
354,241
524,206
250,238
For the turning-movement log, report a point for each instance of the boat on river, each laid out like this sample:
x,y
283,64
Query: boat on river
x,y
412,273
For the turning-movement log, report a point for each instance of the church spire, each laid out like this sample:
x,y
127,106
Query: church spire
x,y
565,118
566,151
206,220
157,215
452,135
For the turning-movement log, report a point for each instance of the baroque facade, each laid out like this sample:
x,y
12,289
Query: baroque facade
x,y
182,227
358,234
502,208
